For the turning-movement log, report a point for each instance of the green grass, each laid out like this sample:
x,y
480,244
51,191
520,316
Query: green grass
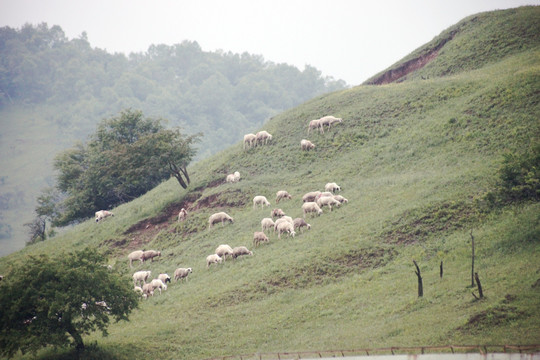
x,y
414,159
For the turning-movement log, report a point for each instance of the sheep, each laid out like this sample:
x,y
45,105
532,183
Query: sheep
x,y
328,201
150,254
138,289
341,199
311,207
263,137
267,223
219,217
282,194
182,273
232,178
259,199
148,290
277,213
213,259
165,278
323,194
135,255
241,250
102,214
249,139
329,121
299,223
158,284
306,145
332,187
281,220
259,237
182,215
223,250
310,196
286,227
314,124
141,276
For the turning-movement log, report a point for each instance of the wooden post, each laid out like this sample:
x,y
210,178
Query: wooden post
x,y
441,270
472,264
480,292
420,286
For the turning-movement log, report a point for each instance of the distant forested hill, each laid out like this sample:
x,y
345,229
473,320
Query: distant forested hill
x,y
53,91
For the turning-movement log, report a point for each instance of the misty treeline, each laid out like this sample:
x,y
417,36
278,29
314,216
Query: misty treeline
x,y
219,93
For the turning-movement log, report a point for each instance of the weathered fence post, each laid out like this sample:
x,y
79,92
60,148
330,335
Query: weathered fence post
x,y
441,270
480,292
472,264
420,286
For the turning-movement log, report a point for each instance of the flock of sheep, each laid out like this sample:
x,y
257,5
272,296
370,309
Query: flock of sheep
x,y
312,204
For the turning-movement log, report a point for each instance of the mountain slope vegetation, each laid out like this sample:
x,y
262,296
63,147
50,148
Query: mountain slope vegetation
x,y
419,162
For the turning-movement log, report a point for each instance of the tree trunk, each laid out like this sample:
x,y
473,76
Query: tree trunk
x,y
420,286
178,174
79,345
472,264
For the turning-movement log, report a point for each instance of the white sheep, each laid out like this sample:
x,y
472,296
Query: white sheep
x,y
332,187
282,194
135,255
311,207
148,290
281,220
182,273
328,201
329,121
286,227
102,214
277,213
158,284
241,250
310,196
263,137
213,259
219,217
267,223
182,215
306,145
223,251
323,194
165,278
249,139
299,223
341,199
150,254
138,289
314,124
260,200
232,178
142,276
259,237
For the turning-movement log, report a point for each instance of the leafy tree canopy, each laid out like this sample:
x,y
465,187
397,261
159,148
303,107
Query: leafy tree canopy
x,y
56,301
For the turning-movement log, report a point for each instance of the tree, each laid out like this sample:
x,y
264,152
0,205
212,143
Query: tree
x,y
56,301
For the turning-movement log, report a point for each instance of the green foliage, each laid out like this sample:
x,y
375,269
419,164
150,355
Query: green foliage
x,y
46,301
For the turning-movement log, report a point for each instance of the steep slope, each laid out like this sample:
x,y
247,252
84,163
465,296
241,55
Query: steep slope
x,y
415,160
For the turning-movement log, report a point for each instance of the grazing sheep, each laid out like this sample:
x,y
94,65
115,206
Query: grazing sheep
x,y
306,145
138,289
310,196
241,250
299,223
232,178
223,250
286,227
158,284
263,137
328,201
213,259
182,215
277,213
135,255
282,194
281,220
102,214
182,273
323,194
332,187
329,121
267,223
311,207
249,139
141,276
314,124
165,278
341,199
259,237
259,199
150,254
148,290
219,217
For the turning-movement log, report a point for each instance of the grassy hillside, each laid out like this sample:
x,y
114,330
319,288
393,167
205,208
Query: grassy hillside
x,y
415,160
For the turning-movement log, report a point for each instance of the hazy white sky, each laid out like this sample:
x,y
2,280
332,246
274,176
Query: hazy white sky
x,y
347,39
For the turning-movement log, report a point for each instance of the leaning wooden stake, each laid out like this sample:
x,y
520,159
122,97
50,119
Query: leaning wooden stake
x,y
441,270
420,286
472,264
480,292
